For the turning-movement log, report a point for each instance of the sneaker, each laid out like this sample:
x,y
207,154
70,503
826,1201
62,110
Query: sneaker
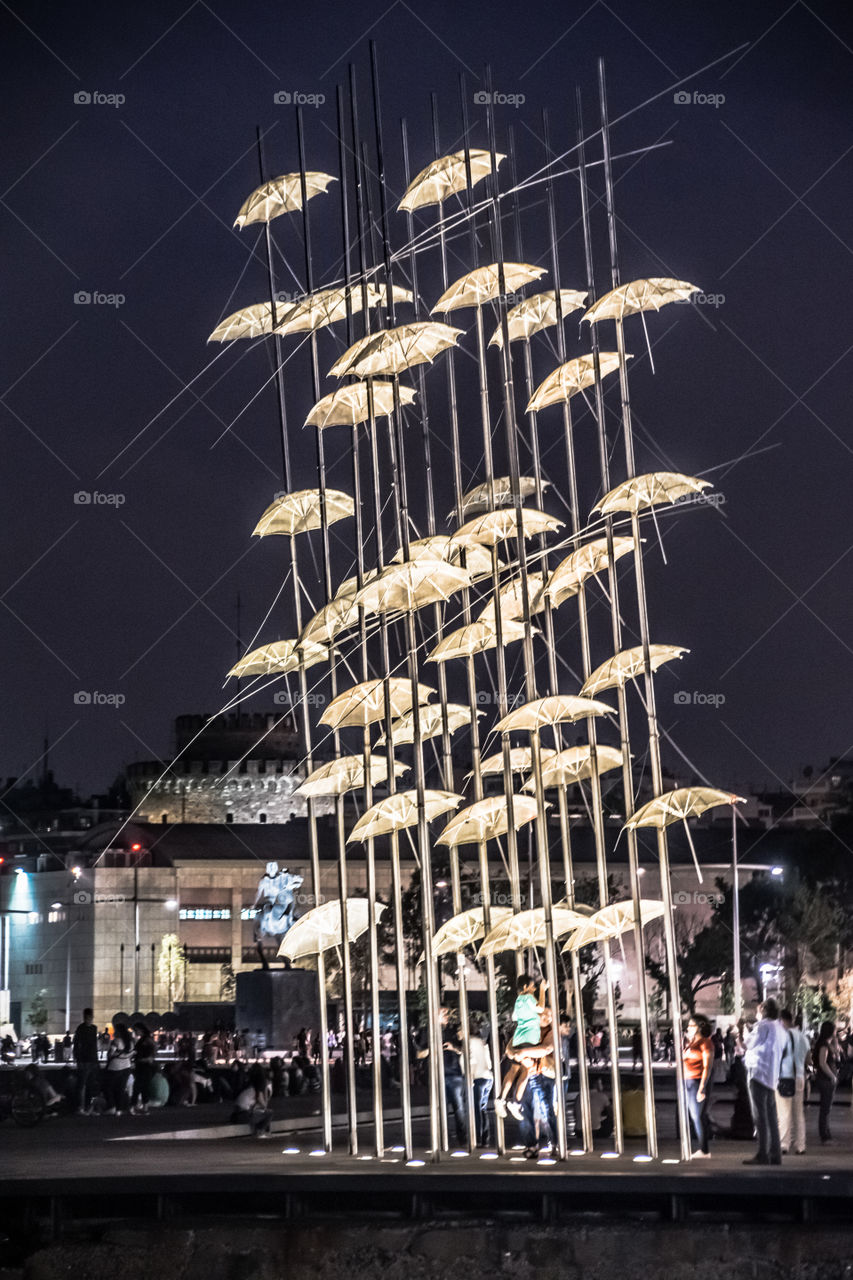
x,y
500,1108
800,1151
515,1110
701,1155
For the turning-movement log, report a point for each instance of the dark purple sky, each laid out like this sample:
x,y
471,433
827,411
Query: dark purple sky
x,y
751,201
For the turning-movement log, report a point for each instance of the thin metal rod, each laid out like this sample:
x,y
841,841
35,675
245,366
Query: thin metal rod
x,y
736,979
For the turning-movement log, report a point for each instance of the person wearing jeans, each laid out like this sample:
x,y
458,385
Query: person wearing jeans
x,y
765,1045
826,1060
790,1095
698,1064
483,1077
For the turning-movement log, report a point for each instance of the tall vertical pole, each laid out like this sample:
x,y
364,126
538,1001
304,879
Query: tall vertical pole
x,y
68,984
736,979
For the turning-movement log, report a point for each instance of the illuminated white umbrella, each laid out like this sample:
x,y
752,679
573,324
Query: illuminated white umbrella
x,y
250,322
483,285
431,722
279,658
650,490
535,313
446,176
501,489
347,773
475,637
639,295
570,378
399,811
627,665
520,760
392,351
681,804
280,195
478,560
300,512
350,405
411,584
498,526
329,306
541,713
587,561
612,921
487,819
574,764
339,614
320,928
364,703
527,929
465,929
512,602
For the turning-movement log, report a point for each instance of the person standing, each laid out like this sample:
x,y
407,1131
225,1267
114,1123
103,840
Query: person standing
x,y
826,1058
765,1044
483,1078
790,1094
85,1050
119,1066
143,1070
698,1065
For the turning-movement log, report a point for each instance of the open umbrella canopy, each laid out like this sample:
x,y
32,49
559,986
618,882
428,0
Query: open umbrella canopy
x,y
474,637
627,665
639,295
650,490
478,560
329,306
250,322
445,176
392,351
411,584
431,722
350,405
512,602
487,819
683,803
498,526
302,511
585,562
484,285
520,760
364,703
399,811
465,929
347,773
340,613
535,313
612,921
568,379
480,498
279,658
574,764
560,708
321,928
280,195
528,929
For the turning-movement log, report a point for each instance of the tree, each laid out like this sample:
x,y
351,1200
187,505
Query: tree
x,y
37,1014
704,956
170,966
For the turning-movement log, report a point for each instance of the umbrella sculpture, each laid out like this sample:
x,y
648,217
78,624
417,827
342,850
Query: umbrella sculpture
x,y
412,584
483,285
329,306
280,195
574,764
587,561
465,929
347,773
478,560
499,526
340,613
559,708
250,322
279,658
350,405
399,811
392,351
520,760
612,921
639,295
364,703
302,511
683,803
446,176
432,720
499,492
487,819
627,665
475,637
535,313
568,379
511,598
649,491
527,929
320,928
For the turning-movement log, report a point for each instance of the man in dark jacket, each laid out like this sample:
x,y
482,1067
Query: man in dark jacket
x,y
85,1048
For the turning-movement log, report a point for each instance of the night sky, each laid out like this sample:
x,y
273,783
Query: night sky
x,y
135,201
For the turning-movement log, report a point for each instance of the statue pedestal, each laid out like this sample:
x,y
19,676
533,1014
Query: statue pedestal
x,y
277,1003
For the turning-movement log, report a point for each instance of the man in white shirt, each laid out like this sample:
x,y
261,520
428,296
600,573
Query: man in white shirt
x,y
480,1059
765,1044
790,1093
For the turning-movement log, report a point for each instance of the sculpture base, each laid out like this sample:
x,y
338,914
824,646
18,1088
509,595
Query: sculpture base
x,y
276,1004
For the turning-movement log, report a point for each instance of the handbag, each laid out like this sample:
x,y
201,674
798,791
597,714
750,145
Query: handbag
x,y
787,1086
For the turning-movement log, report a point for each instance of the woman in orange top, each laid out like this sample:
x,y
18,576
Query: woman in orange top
x,y
698,1065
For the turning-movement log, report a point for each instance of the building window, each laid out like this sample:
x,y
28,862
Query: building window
x,y
229,817
262,817
55,917
33,968
204,913
164,818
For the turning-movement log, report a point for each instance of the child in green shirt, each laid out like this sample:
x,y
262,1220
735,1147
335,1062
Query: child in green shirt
x,y
525,1015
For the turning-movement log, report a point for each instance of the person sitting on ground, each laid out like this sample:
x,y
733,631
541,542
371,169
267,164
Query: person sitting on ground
x,y
158,1089
42,1086
525,1014
252,1105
